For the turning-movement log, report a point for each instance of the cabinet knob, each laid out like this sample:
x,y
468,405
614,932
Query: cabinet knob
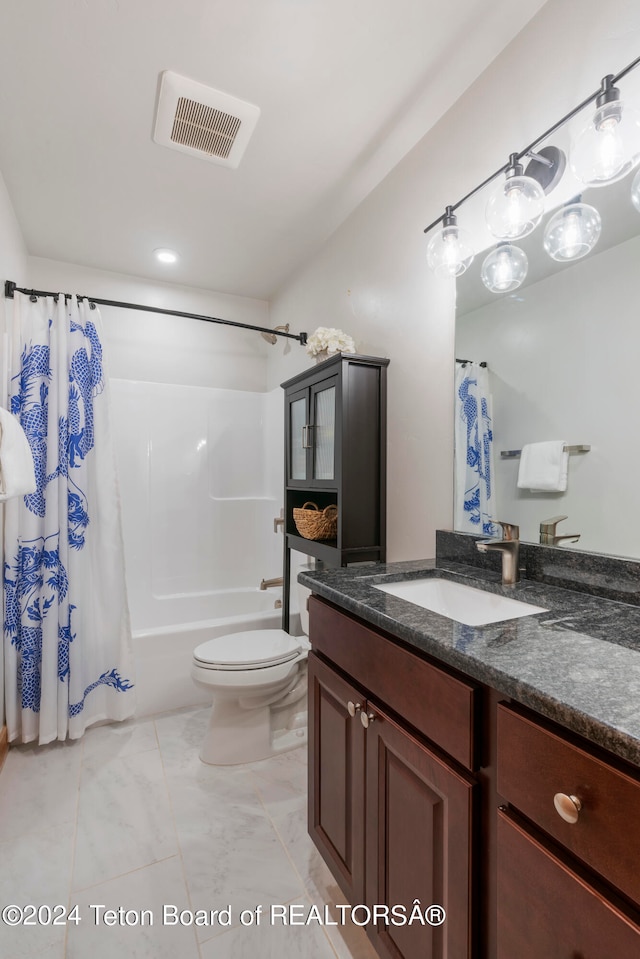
x,y
353,708
567,807
366,719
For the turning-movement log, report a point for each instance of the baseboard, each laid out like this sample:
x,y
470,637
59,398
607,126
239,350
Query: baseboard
x,y
4,745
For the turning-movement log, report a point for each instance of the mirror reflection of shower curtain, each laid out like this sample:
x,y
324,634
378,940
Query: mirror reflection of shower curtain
x,y
474,494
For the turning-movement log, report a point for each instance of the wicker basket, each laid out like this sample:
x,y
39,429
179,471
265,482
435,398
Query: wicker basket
x,y
314,523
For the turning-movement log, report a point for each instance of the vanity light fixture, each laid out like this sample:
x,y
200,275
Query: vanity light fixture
x,y
608,146
516,207
450,252
573,231
166,256
505,268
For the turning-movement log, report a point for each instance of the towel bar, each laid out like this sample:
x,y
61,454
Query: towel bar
x,y
580,448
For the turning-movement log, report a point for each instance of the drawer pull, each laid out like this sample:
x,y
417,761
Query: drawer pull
x,y
353,708
366,719
567,807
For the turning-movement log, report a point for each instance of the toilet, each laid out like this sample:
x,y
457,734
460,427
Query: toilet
x,y
258,680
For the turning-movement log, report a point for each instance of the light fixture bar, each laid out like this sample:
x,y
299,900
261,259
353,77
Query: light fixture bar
x,y
610,79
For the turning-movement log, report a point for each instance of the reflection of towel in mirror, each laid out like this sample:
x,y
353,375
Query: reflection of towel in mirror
x,y
17,475
544,467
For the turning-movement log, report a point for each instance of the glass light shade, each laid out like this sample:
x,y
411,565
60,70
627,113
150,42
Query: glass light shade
x,y
450,252
505,268
572,232
635,191
608,147
515,208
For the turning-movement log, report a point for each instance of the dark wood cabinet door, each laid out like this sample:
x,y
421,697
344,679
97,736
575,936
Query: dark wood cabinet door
x,y
336,776
546,910
418,842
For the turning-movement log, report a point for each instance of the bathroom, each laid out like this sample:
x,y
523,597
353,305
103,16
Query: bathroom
x,y
362,269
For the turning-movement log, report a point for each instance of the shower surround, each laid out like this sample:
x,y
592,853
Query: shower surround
x,y
200,473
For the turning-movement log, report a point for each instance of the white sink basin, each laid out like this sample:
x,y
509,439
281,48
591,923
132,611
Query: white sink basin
x,y
465,604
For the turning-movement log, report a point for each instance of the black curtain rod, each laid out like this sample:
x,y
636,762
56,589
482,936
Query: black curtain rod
x,y
10,288
464,362
538,140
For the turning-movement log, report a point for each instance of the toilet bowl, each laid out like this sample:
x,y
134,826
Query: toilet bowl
x,y
258,680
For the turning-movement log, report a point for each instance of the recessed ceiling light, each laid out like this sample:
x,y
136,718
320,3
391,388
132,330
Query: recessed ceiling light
x,y
166,256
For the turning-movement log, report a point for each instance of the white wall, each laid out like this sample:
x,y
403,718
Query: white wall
x,y
371,279
13,266
563,362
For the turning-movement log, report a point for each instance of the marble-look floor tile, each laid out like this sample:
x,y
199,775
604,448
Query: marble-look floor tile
x,y
119,739
269,942
145,893
290,821
39,788
233,857
124,818
36,870
281,777
180,735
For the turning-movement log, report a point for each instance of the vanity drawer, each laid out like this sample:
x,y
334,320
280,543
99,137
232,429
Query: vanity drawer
x,y
437,704
545,909
535,764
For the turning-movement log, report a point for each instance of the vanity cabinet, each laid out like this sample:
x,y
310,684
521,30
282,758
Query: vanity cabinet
x,y
568,840
335,455
391,813
449,793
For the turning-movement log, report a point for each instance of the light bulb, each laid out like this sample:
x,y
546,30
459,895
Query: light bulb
x,y
572,232
608,147
516,207
635,191
505,268
166,256
450,252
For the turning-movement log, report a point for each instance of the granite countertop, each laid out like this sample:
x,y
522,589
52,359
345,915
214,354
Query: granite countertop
x,y
577,664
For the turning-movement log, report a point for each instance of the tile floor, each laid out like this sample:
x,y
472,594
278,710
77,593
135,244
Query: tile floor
x,y
129,818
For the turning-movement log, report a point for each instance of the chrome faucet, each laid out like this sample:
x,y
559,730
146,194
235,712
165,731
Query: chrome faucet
x,y
266,583
548,532
509,546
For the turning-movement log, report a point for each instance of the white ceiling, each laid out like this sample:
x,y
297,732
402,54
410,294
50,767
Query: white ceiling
x,y
345,89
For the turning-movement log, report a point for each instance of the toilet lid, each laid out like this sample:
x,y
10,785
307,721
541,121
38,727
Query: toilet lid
x,y
249,650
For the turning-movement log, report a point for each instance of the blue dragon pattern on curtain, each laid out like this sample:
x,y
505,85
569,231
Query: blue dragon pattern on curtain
x,y
36,578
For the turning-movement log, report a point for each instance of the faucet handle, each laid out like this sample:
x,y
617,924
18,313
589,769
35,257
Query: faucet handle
x,y
509,530
549,525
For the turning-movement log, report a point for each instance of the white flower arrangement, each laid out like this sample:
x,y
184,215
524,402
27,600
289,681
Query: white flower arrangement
x,y
331,340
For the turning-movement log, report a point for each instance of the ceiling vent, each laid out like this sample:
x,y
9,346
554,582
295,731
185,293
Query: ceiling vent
x,y
203,122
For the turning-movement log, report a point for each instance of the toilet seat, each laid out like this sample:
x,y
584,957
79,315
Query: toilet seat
x,y
254,649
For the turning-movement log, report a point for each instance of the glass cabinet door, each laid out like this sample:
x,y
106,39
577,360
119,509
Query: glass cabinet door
x,y
298,430
324,429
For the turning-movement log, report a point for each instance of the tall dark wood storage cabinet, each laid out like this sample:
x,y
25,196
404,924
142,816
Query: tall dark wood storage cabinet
x,y
335,453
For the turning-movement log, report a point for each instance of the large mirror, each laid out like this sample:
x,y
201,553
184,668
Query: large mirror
x,y
563,355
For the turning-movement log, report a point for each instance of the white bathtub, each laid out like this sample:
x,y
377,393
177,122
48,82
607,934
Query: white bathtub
x,y
163,654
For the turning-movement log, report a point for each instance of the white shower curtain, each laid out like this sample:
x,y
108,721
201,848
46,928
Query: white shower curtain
x,y
474,496
67,637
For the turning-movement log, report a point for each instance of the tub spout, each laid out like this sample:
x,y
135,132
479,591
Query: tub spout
x,y
266,583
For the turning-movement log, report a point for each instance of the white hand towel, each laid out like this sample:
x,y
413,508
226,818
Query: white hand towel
x,y
17,475
544,467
